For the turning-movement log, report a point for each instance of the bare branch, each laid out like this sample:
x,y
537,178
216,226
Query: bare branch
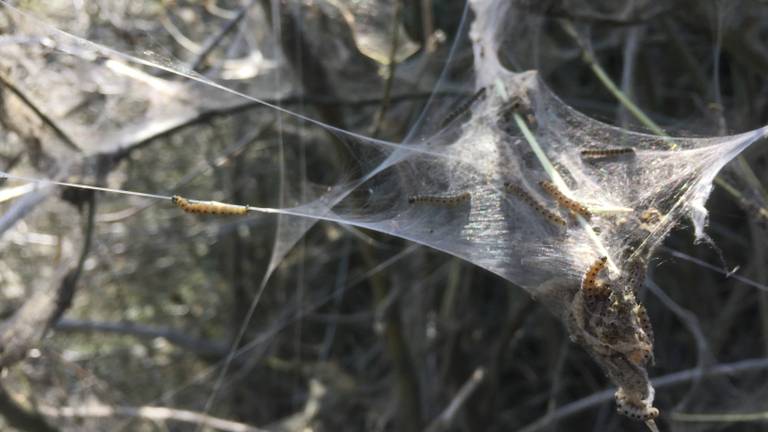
x,y
213,41
32,320
596,399
175,337
148,413
445,419
20,417
47,120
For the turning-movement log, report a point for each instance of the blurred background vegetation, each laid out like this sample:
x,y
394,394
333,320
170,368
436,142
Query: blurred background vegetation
x,y
119,311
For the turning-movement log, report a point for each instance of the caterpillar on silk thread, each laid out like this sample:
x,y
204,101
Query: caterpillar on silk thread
x,y
208,207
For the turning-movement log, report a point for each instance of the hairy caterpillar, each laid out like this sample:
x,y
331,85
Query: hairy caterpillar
x,y
589,283
447,200
645,322
517,104
528,199
461,109
566,202
606,153
208,207
635,276
650,216
634,410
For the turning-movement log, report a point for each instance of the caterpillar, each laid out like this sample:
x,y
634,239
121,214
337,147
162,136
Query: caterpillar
x,y
606,153
461,109
208,207
650,216
572,205
517,104
446,200
528,199
645,322
641,356
634,410
635,276
590,286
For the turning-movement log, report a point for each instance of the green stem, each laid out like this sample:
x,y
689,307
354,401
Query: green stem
x,y
622,98
646,121
560,183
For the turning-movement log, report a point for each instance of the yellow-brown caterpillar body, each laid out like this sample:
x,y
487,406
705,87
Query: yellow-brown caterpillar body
x,y
464,107
446,200
645,322
208,207
572,205
524,196
607,153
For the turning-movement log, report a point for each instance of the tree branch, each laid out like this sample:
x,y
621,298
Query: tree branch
x,y
595,399
20,417
198,346
45,119
445,419
148,413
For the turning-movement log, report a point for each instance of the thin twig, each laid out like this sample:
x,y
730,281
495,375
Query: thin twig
x,y
198,346
445,419
563,186
688,60
689,320
638,113
125,149
379,118
33,319
20,417
515,321
706,265
147,413
23,206
704,355
215,40
601,75
68,286
407,384
47,120
720,417
595,399
305,62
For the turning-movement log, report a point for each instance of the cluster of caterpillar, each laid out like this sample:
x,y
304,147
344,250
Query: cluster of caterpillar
x,y
464,107
645,322
635,275
208,207
528,199
572,205
446,200
607,153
